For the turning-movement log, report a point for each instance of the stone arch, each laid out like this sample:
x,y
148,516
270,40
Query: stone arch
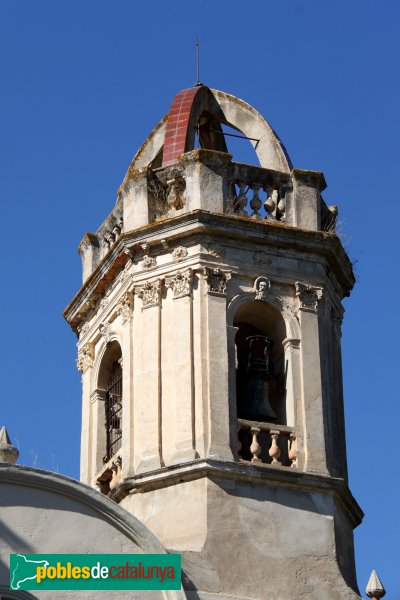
x,y
111,336
289,317
177,130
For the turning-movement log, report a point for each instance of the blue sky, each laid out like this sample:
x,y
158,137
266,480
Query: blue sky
x,y
83,83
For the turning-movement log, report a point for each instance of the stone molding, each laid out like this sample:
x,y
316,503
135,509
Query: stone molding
x,y
291,343
264,474
216,280
180,283
149,293
309,296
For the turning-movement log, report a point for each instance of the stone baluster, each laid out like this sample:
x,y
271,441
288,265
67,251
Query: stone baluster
x,y
292,445
256,203
274,450
242,200
255,447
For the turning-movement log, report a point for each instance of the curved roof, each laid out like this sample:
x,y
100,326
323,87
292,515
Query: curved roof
x,y
203,110
44,512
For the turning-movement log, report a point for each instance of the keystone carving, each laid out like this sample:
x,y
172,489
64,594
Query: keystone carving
x,y
181,283
262,286
180,253
216,280
85,358
149,293
105,331
309,296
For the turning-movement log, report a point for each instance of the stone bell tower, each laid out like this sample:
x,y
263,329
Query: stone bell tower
x,y
209,346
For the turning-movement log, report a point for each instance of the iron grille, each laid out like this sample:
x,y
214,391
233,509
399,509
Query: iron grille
x,y
113,407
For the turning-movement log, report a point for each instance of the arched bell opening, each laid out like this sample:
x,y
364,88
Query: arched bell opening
x,y
260,363
110,383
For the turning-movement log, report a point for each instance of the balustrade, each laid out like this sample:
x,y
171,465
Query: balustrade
x,y
267,443
257,193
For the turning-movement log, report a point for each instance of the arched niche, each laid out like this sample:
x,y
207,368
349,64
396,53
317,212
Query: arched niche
x,y
260,362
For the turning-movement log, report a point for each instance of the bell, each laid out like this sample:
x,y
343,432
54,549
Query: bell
x,y
255,404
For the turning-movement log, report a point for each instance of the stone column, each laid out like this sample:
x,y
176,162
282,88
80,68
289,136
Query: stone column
x,y
294,412
98,431
124,310
218,390
147,380
313,408
231,332
84,364
181,360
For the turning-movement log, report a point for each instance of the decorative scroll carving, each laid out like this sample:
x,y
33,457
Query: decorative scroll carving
x,y
149,293
180,283
148,263
85,358
262,286
216,280
180,253
176,196
104,302
105,331
125,306
309,296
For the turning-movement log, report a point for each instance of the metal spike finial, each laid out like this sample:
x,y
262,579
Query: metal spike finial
x,y
197,62
8,452
375,587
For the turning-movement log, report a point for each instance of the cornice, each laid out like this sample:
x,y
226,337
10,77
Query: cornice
x,y
226,227
264,474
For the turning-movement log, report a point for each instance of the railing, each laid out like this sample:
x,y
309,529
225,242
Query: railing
x,y
257,193
267,443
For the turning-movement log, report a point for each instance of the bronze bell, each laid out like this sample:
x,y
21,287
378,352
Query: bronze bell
x,y
255,404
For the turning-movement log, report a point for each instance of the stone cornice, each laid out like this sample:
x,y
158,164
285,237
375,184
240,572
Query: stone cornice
x,y
204,223
241,471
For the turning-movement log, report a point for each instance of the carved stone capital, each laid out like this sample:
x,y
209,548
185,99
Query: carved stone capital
x,y
149,293
180,283
85,358
180,253
261,288
216,280
124,307
309,296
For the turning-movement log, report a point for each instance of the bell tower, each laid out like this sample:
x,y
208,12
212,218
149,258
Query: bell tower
x,y
209,345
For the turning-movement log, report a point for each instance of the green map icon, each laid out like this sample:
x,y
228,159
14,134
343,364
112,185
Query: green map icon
x,y
23,569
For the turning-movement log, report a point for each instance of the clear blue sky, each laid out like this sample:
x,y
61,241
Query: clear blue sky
x,y
84,82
